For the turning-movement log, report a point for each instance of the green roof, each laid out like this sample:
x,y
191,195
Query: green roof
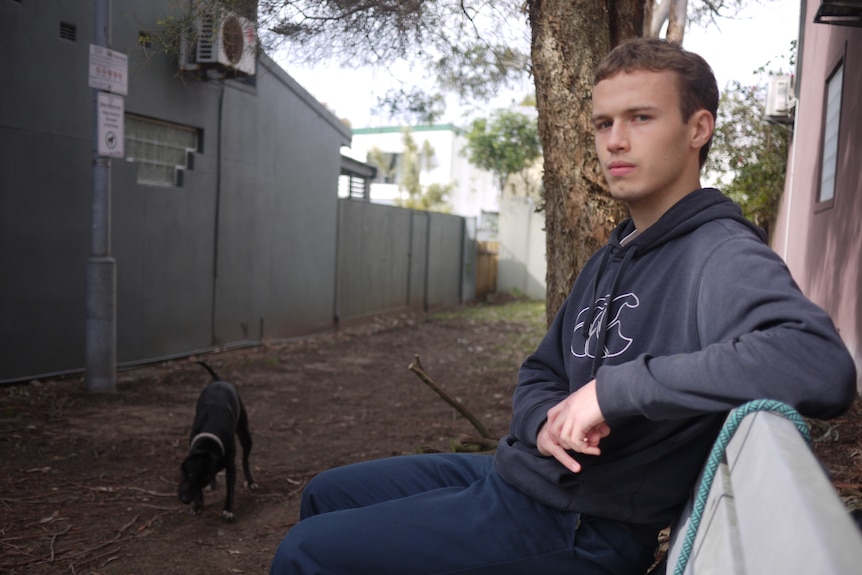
x,y
399,129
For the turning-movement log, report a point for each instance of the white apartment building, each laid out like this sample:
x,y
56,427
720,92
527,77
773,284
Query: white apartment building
x,y
474,193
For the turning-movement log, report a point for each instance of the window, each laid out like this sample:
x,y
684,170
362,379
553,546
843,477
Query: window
x,y
161,150
829,155
388,166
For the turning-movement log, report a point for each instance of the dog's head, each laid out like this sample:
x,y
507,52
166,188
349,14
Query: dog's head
x,y
198,470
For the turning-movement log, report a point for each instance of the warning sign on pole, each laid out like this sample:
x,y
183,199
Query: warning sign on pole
x,y
108,70
111,133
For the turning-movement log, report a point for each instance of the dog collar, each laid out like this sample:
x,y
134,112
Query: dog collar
x,y
208,436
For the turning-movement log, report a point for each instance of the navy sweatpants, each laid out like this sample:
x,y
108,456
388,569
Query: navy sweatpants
x,y
445,513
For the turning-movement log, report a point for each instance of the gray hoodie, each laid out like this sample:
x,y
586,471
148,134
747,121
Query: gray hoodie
x,y
703,317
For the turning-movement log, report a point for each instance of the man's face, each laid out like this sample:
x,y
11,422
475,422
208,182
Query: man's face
x,y
647,152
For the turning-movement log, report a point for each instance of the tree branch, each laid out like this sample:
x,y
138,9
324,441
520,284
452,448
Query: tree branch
x,y
416,367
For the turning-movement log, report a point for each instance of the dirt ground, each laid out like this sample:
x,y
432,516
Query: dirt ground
x,y
88,481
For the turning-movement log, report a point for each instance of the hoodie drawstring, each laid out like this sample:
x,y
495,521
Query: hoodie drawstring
x,y
588,321
602,334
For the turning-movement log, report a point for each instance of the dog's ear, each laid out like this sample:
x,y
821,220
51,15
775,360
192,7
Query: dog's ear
x,y
188,469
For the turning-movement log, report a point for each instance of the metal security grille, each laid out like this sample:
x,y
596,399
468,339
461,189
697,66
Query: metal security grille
x,y
160,149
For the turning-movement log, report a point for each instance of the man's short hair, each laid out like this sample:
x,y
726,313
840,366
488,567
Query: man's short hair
x,y
696,82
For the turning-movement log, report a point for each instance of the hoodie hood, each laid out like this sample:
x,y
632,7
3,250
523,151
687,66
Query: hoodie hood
x,y
694,210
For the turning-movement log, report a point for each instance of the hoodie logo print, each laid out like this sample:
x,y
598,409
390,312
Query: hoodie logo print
x,y
615,342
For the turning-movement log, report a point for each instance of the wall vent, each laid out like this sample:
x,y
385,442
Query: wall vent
x,y
68,31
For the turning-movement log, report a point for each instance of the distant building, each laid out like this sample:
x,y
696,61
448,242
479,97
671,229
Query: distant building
x,y
474,193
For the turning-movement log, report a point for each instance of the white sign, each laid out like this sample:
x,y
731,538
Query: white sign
x,y
111,131
109,70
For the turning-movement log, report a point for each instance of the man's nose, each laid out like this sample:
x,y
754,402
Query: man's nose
x,y
618,138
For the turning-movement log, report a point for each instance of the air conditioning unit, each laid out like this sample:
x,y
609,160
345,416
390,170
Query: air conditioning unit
x,y
226,40
780,100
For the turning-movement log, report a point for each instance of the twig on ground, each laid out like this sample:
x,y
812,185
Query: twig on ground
x,y
150,522
54,538
118,489
416,367
129,524
159,507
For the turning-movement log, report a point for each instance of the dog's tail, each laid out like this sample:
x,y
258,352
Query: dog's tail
x,y
209,369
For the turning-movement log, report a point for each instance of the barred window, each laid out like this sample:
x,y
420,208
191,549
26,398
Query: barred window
x,y
161,150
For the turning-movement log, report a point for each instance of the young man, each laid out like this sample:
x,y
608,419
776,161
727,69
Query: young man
x,y
685,314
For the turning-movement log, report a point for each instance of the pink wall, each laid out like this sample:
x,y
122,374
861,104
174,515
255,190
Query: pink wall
x,y
822,244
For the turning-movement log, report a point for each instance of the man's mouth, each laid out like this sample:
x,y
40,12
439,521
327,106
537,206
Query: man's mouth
x,y
619,169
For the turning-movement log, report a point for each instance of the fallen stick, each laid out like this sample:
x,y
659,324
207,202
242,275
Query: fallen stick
x,y
416,367
54,538
129,524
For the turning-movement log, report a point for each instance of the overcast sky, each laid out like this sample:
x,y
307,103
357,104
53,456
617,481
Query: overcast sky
x,y
734,49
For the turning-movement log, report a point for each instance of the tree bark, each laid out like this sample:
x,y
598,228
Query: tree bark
x,y
569,38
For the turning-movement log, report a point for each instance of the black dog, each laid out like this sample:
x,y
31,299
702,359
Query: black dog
x,y
218,415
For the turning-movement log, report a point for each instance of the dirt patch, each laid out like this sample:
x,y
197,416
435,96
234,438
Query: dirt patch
x,y
89,481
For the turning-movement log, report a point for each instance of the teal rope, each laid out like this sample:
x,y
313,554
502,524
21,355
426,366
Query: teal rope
x,y
717,455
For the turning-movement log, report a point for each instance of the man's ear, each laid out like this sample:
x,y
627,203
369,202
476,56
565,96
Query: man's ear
x,y
703,125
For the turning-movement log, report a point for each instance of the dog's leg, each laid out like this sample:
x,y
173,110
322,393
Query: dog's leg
x,y
229,480
245,441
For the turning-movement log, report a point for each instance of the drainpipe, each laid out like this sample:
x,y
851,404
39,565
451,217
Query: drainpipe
x,y
213,309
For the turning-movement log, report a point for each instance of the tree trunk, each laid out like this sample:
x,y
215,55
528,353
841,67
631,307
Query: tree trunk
x,y
569,38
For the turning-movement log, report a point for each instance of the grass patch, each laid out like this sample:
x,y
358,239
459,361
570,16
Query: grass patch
x,y
526,312
529,312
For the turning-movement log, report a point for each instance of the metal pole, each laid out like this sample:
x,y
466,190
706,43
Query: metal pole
x,y
101,283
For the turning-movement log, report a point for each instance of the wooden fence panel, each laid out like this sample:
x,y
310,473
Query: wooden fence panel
x,y
487,254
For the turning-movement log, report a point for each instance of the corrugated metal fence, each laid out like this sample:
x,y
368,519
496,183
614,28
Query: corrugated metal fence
x,y
392,258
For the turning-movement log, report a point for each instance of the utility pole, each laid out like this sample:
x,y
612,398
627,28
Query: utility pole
x,y
101,281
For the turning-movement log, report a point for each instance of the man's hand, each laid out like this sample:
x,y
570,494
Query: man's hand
x,y
575,424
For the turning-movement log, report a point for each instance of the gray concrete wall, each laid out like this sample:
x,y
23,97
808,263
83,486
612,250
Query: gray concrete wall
x,y
278,215
45,183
